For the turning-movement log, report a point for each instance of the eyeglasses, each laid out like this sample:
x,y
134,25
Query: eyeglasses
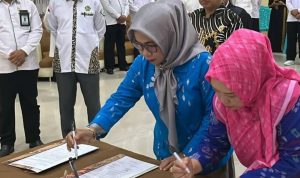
x,y
152,48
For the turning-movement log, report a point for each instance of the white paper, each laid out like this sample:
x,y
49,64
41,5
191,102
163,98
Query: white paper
x,y
52,157
125,167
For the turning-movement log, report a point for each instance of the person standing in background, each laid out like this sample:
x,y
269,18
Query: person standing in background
x,y
242,13
293,31
252,7
214,23
277,26
255,14
78,27
134,6
245,4
20,33
191,5
116,12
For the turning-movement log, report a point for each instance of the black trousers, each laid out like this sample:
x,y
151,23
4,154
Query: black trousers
x,y
23,83
115,34
293,34
67,90
255,24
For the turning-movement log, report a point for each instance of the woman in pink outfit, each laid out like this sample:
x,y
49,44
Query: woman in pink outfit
x,y
256,110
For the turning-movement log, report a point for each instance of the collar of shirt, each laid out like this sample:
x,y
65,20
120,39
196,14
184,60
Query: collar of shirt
x,y
220,8
13,1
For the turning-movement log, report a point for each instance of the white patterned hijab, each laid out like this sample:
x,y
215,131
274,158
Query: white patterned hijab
x,y
168,25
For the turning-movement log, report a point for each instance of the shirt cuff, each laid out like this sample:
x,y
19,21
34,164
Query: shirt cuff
x,y
27,50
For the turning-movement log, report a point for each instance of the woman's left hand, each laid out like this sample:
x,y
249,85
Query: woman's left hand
x,y
167,163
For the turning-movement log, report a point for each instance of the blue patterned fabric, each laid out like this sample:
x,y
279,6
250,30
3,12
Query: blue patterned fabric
x,y
264,18
216,144
194,95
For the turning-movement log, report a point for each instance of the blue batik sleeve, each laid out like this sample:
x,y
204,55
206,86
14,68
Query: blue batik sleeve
x,y
288,137
214,146
127,94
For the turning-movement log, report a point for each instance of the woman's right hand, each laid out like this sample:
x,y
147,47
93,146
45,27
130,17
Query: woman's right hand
x,y
82,136
179,168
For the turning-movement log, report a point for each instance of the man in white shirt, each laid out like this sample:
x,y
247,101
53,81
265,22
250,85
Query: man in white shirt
x,y
245,4
77,27
255,14
252,7
135,5
20,33
293,31
116,12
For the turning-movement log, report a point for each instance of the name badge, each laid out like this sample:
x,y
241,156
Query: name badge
x,y
24,18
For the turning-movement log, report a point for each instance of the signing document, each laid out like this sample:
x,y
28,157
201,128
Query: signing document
x,y
44,159
120,166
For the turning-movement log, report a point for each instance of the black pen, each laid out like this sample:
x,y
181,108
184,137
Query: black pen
x,y
72,165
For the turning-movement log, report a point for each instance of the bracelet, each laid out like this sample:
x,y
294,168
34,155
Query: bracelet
x,y
94,134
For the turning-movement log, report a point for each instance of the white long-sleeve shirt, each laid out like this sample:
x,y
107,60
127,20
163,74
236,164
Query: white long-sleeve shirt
x,y
90,29
13,36
255,8
135,5
292,5
114,9
245,4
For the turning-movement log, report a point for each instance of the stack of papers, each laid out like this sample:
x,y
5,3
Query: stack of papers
x,y
42,159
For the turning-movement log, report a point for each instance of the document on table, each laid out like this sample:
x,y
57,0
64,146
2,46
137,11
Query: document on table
x,y
46,159
124,167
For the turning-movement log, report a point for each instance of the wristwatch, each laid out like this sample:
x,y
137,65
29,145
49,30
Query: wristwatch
x,y
98,132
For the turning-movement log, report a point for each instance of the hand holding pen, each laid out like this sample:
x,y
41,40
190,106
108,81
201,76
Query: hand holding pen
x,y
74,141
82,136
183,167
180,161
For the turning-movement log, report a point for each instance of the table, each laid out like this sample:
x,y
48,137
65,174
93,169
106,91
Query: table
x,y
105,151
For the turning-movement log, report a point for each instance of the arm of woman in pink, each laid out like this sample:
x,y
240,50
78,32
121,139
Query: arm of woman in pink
x,y
213,147
288,138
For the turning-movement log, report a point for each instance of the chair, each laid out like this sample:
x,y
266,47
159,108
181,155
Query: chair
x,y
230,168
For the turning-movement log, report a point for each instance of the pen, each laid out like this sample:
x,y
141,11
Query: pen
x,y
180,160
72,165
74,140
65,174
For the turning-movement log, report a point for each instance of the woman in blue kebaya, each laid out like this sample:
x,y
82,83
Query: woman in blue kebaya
x,y
169,73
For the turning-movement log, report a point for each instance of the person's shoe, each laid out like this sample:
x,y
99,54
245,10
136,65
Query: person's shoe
x,y
35,143
6,150
124,68
110,71
289,63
